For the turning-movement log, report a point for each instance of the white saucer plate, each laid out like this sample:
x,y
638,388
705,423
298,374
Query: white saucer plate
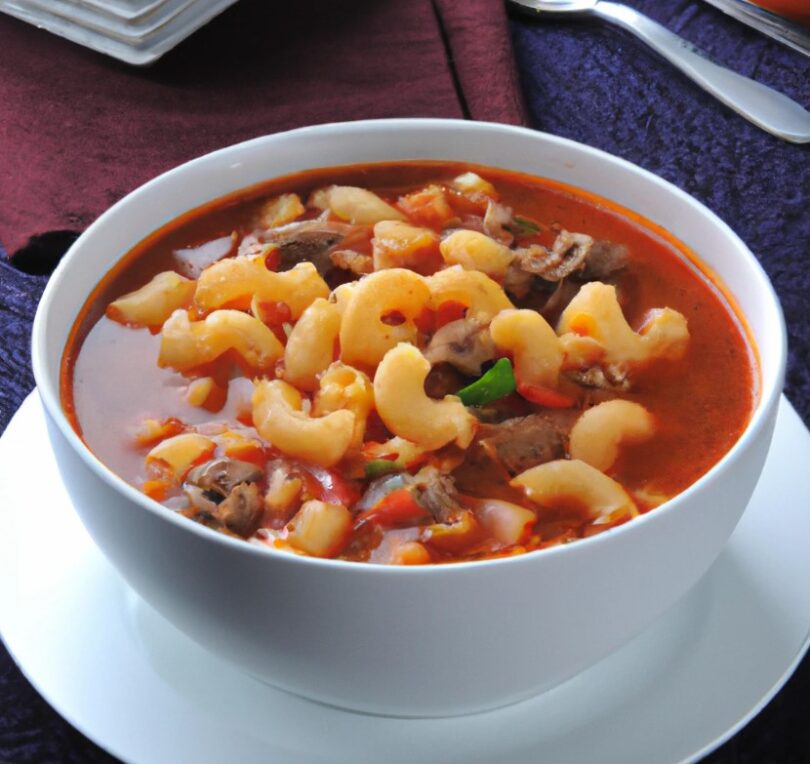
x,y
142,690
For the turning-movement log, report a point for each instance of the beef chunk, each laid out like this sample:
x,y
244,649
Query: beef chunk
x,y
517,444
604,259
437,493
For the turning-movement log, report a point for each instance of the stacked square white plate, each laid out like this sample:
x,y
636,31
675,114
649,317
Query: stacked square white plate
x,y
136,31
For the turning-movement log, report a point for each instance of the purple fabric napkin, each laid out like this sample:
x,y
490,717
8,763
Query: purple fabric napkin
x,y
598,85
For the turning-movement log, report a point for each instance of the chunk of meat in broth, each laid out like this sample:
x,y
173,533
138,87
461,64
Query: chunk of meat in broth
x,y
223,493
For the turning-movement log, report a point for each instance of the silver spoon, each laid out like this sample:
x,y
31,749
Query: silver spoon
x,y
766,108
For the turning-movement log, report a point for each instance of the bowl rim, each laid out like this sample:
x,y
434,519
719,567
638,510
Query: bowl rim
x,y
770,386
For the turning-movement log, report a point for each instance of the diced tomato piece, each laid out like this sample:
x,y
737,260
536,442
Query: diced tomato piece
x,y
153,431
449,311
545,396
425,321
376,430
272,260
333,488
247,451
275,313
427,207
456,536
155,488
463,205
397,508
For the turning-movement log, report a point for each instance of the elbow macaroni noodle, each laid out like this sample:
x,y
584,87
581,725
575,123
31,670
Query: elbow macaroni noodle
x,y
399,392
595,313
364,335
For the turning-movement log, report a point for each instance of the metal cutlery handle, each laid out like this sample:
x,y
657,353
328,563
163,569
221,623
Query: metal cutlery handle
x,y
766,108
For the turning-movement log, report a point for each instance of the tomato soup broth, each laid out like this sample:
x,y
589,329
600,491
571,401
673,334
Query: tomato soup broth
x,y
406,499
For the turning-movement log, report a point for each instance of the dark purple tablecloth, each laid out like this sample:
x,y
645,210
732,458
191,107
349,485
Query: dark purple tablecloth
x,y
599,86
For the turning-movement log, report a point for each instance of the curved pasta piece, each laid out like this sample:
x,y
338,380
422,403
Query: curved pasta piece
x,y
597,434
344,387
364,336
354,204
342,294
311,344
535,348
186,345
236,281
320,529
279,419
397,244
475,251
472,183
573,481
595,312
399,393
483,297
175,456
280,210
154,302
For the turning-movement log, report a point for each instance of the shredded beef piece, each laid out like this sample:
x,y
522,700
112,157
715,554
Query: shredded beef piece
x,y
567,255
465,344
604,259
517,444
517,281
534,259
608,377
571,253
437,493
558,300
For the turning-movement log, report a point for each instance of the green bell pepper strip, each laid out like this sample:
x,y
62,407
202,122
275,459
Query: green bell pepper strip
x,y
379,467
498,382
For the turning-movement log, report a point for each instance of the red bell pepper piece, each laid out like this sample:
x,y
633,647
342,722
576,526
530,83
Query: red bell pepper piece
x,y
397,508
332,487
544,396
449,311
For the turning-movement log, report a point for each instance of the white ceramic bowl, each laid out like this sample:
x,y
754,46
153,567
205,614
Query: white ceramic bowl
x,y
415,641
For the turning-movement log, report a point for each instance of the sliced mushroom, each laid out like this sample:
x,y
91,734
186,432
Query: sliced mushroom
x,y
309,241
242,510
223,475
223,495
462,343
